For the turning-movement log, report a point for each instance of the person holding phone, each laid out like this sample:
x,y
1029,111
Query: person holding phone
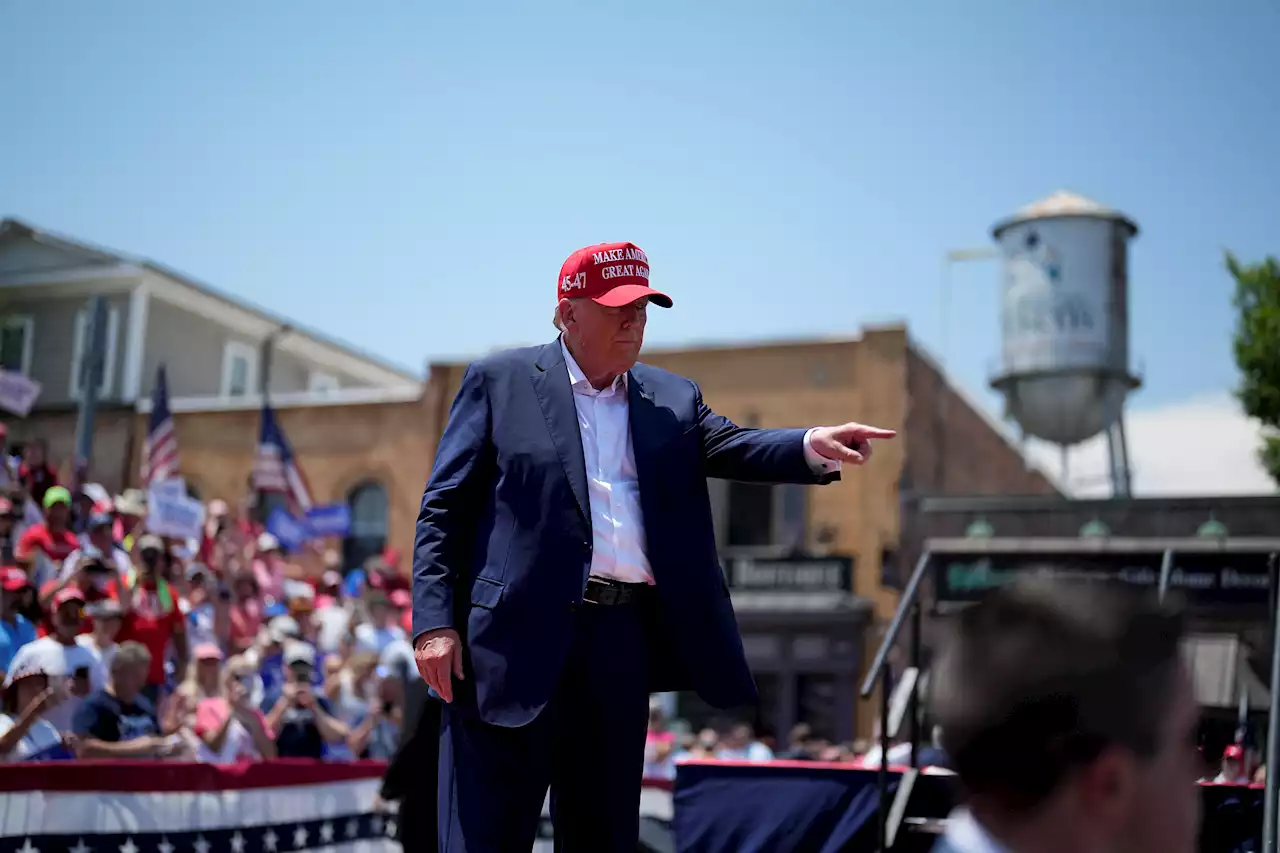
x,y
66,662
153,615
25,732
303,721
376,735
229,727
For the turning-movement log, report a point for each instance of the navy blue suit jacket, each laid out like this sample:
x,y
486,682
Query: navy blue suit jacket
x,y
503,542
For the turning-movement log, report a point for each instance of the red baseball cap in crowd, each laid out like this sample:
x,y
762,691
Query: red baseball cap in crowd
x,y
13,579
207,651
68,593
1234,750
610,274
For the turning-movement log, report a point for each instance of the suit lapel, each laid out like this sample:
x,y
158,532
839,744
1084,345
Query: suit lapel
x,y
551,384
644,426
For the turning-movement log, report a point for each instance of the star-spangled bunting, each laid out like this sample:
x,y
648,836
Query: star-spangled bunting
x,y
266,838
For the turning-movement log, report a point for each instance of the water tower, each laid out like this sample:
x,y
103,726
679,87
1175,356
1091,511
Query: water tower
x,y
1064,369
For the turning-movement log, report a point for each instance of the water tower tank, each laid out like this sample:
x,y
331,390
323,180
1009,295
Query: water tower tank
x,y
1064,366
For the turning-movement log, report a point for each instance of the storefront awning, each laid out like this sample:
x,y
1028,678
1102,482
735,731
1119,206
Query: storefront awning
x,y
1220,672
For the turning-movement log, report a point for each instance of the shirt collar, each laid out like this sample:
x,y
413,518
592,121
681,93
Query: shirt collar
x,y
578,379
965,835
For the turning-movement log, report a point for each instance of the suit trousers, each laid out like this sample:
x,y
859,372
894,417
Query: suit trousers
x,y
587,746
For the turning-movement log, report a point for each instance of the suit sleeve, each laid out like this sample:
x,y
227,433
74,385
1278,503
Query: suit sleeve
x,y
446,522
732,452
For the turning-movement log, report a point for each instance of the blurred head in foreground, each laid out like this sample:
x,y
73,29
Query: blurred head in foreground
x,y
1070,720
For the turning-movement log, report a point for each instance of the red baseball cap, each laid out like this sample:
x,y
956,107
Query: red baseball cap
x,y
13,579
1234,750
68,593
610,274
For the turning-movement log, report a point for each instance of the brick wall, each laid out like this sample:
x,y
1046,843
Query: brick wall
x,y
954,450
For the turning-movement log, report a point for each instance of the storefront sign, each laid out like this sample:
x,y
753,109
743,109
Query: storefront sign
x,y
1205,579
791,574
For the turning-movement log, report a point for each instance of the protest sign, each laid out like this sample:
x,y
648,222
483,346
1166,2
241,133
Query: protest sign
x,y
177,517
329,520
18,393
291,532
174,487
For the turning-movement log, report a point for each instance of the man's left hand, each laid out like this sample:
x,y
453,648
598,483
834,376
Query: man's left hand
x,y
849,443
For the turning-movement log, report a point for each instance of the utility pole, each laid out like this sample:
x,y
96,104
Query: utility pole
x,y
89,373
941,426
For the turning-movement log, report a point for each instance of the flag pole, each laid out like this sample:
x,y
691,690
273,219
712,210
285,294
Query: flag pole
x,y
264,385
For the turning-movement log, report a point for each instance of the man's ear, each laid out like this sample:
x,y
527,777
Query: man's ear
x,y
1107,785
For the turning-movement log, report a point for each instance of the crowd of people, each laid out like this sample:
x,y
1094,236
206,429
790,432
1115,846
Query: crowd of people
x,y
116,642
669,742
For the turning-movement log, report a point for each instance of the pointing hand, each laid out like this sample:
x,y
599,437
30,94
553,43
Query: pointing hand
x,y
849,442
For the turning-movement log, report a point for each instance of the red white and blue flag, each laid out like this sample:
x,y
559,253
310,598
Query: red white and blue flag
x,y
160,450
165,807
274,467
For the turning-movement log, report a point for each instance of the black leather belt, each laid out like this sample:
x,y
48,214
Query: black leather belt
x,y
610,593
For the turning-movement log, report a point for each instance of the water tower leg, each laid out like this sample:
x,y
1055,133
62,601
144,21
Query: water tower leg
x,y
1118,452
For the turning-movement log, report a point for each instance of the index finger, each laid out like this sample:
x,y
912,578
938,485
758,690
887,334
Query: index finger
x,y
876,432
444,681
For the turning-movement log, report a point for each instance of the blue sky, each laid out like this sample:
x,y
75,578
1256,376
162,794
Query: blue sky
x,y
409,175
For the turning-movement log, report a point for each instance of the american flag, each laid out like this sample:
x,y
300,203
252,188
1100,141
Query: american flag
x,y
274,468
160,451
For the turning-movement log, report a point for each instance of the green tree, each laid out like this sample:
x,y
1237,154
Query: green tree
x,y
1257,350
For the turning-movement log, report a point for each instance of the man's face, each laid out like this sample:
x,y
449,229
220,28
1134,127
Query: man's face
x,y
100,538
130,679
108,626
67,618
1163,814
150,560
609,337
57,514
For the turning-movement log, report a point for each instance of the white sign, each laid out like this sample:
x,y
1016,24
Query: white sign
x,y
17,392
177,517
175,487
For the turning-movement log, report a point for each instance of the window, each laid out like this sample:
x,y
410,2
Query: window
x,y
80,346
758,515
239,369
368,534
750,514
322,383
15,344
816,704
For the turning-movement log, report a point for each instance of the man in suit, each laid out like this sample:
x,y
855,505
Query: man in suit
x,y
1071,722
565,565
